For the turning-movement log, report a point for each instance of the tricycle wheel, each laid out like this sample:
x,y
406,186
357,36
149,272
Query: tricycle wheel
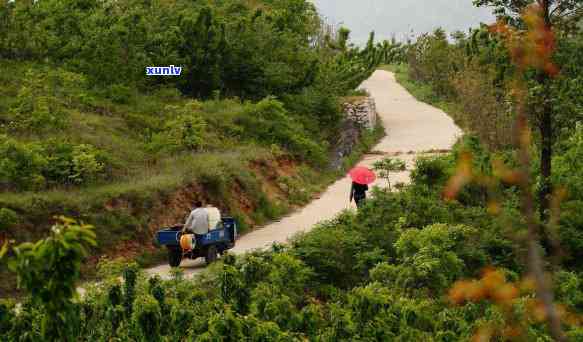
x,y
174,257
211,254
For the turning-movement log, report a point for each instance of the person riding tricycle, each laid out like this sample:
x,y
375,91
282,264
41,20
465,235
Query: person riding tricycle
x,y
205,234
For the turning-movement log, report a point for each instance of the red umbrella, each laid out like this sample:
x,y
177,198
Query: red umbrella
x,y
362,175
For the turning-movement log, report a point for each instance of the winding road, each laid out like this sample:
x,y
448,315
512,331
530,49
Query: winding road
x,y
413,128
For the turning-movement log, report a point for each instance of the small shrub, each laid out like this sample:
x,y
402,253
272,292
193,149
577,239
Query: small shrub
x,y
185,131
6,317
86,164
119,93
330,249
294,189
388,165
21,165
490,118
430,171
168,94
271,304
566,166
110,269
38,107
147,317
435,256
317,109
73,164
8,219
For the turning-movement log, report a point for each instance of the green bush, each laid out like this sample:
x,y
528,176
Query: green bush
x,y
6,317
73,164
317,109
270,304
8,219
147,317
435,256
385,166
27,166
432,172
570,233
86,164
330,249
569,289
269,123
42,99
21,165
120,94
431,59
168,93
186,130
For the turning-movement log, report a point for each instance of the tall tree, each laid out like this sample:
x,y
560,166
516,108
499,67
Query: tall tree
x,y
555,14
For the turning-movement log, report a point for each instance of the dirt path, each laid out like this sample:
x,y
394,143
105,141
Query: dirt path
x,y
412,128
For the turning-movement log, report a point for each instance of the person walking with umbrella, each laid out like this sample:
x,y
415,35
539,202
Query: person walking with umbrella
x,y
361,177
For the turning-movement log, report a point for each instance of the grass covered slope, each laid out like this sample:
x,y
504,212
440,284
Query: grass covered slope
x,y
81,124
131,163
247,126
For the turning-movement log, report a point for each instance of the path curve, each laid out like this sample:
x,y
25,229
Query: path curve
x,y
412,127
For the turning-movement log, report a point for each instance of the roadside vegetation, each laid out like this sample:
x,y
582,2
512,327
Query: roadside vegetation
x,y
391,271
515,87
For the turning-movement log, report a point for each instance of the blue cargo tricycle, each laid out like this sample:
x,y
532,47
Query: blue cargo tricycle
x,y
207,246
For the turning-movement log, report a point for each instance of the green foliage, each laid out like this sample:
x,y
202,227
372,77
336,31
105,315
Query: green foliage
x,y
6,317
147,318
385,166
186,130
77,70
38,107
119,93
8,219
73,164
47,271
130,274
567,173
21,165
330,249
453,75
436,255
370,275
221,46
317,109
86,165
379,274
569,289
430,171
26,166
269,122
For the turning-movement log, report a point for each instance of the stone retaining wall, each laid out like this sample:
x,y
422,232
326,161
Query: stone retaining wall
x,y
362,111
360,114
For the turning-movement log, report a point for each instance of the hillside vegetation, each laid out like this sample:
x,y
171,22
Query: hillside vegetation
x,y
247,126
452,75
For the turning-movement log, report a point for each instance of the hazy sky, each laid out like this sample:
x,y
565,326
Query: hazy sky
x,y
399,17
